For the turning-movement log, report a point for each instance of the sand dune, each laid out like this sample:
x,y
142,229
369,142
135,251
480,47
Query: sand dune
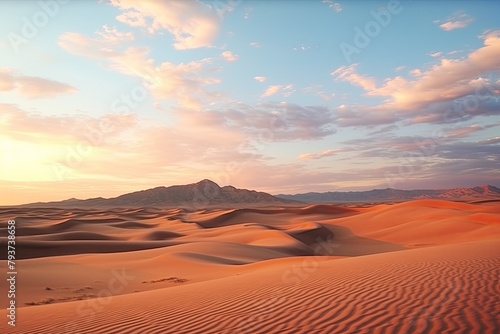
x,y
424,266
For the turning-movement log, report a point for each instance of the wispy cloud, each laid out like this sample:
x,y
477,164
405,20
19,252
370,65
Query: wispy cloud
x,y
318,155
348,73
333,5
456,21
271,90
248,11
277,121
32,87
462,132
22,125
274,89
260,78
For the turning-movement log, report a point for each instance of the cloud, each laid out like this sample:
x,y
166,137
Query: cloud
x,y
22,125
384,130
260,78
435,93
303,47
333,5
412,161
255,44
192,23
318,155
444,174
269,121
229,56
462,132
248,11
408,167
271,90
319,91
113,36
489,141
283,178
416,72
435,54
97,148
274,89
184,83
32,87
348,73
347,116
456,21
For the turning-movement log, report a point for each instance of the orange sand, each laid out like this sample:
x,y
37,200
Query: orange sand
x,y
424,266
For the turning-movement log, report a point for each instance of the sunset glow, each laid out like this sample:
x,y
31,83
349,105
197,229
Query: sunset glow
x,y
103,98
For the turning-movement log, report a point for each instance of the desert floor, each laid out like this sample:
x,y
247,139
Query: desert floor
x,y
423,266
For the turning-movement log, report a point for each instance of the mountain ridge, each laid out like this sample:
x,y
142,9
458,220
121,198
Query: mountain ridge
x,y
202,194
207,194
390,194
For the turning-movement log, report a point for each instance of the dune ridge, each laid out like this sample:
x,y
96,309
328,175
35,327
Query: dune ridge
x,y
425,266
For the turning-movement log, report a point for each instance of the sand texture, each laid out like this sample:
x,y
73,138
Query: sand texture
x,y
424,266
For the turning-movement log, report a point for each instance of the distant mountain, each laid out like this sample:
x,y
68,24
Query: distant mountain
x,y
199,195
392,195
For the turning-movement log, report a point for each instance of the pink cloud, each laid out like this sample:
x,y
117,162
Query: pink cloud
x,y
271,90
32,87
269,121
456,21
462,131
27,126
448,80
192,23
185,82
348,73
274,89
318,155
229,56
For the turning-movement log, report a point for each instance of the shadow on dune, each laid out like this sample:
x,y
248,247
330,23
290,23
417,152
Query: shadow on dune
x,y
334,240
238,216
71,235
29,249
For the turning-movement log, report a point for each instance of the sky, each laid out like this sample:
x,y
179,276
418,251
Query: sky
x,y
101,98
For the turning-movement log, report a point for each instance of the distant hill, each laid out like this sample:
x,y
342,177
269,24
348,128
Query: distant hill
x,y
391,195
198,195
